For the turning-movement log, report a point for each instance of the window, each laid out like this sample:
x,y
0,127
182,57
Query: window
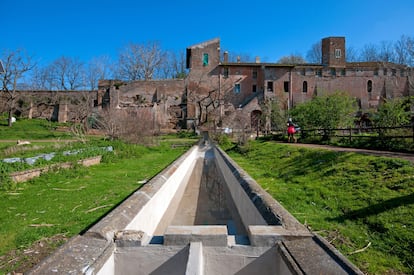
x,y
333,71
343,72
226,72
376,72
205,59
270,86
237,88
385,72
305,87
338,53
254,74
319,72
369,86
254,88
286,86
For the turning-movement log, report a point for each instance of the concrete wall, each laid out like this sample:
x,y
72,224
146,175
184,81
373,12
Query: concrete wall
x,y
247,211
122,243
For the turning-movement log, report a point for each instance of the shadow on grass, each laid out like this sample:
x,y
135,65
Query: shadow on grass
x,y
376,208
306,161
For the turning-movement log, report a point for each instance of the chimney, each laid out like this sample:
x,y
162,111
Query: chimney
x,y
257,59
226,57
238,59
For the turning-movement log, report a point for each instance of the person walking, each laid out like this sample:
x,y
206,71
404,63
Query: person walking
x,y
291,130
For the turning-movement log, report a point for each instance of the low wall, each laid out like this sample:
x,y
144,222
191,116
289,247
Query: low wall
x,y
22,176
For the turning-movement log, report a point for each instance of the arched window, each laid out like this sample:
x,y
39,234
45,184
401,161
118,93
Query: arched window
x,y
305,87
369,86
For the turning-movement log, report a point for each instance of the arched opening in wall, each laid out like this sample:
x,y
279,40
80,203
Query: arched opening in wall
x,y
286,86
255,120
369,88
305,87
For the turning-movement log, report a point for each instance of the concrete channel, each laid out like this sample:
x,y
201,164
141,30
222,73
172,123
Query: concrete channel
x,y
202,215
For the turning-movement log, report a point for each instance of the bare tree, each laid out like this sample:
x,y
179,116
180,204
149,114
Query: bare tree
x,y
314,55
166,67
179,65
386,52
242,126
42,79
68,73
97,69
273,116
16,64
210,100
351,54
82,108
404,50
140,61
292,59
369,53
135,126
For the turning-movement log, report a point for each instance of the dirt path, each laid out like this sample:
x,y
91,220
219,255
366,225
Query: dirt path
x,y
390,154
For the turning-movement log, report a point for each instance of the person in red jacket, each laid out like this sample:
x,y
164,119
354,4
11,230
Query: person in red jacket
x,y
291,130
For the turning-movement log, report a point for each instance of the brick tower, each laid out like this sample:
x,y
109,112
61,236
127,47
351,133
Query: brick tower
x,y
333,52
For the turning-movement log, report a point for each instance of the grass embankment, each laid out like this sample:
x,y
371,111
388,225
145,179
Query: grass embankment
x,y
63,203
363,205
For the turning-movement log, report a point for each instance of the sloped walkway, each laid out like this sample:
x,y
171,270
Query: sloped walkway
x,y
389,154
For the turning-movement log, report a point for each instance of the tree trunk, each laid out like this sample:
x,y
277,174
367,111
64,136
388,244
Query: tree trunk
x,y
9,119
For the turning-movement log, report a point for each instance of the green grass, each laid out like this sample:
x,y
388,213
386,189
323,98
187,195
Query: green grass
x,y
350,199
31,129
69,201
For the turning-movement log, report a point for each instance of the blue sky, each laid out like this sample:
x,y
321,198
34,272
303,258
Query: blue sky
x,y
49,29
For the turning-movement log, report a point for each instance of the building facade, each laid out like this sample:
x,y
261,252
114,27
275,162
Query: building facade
x,y
217,91
222,94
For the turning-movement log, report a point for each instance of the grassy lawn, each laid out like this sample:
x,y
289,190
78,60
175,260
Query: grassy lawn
x,y
41,214
31,129
363,205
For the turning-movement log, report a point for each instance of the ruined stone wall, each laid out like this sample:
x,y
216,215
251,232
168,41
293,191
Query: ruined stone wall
x,y
164,97
62,106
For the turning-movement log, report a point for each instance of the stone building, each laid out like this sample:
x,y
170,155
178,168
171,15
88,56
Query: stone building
x,y
246,85
222,94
